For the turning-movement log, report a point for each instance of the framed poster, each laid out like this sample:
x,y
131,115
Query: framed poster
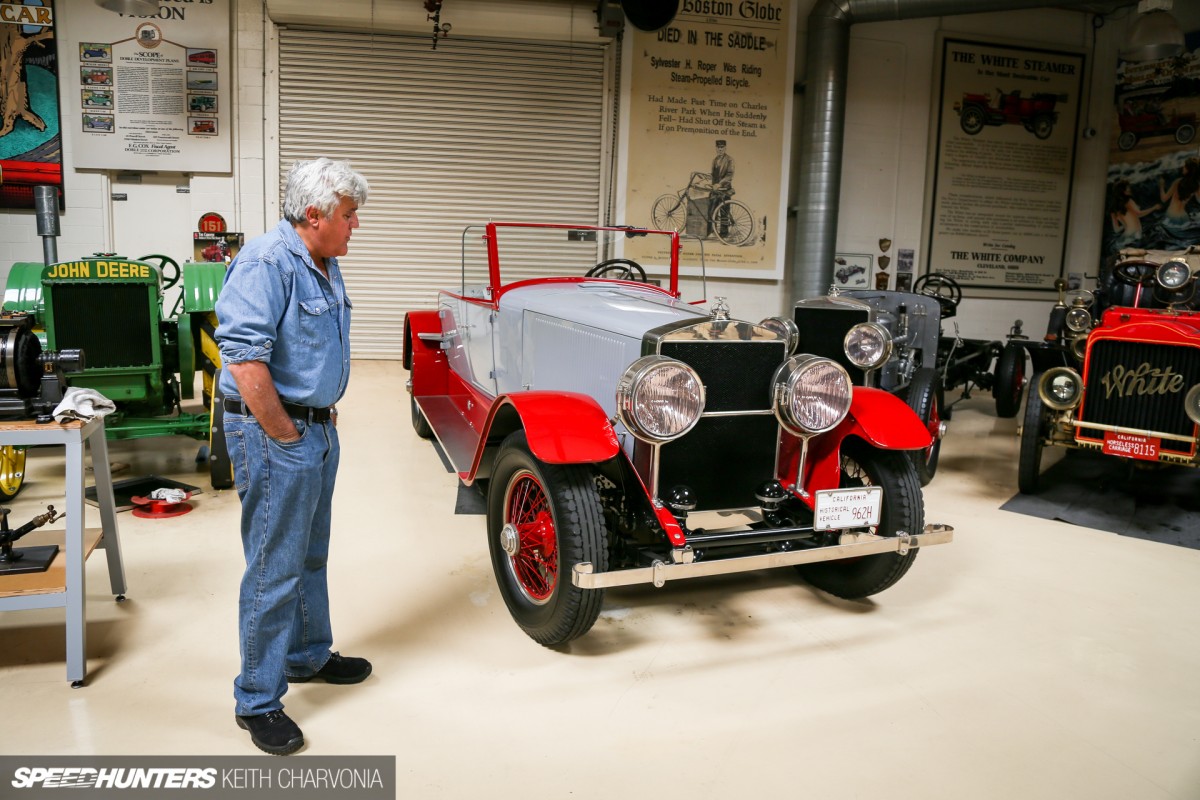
x,y
710,108
852,270
152,93
1003,157
30,133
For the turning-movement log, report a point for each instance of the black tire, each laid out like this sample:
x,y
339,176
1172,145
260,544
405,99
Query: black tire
x,y
1033,431
220,468
539,594
902,510
924,396
669,213
971,120
1009,380
739,222
420,424
1043,126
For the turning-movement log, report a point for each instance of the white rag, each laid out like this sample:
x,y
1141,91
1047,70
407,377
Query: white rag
x,y
85,404
170,495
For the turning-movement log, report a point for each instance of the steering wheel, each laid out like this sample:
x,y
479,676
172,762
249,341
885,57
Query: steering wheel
x,y
624,268
1135,273
943,287
166,266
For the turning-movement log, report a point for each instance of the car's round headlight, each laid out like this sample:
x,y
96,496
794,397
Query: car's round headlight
x,y
1078,320
868,345
659,398
786,329
811,394
1191,404
1061,388
1173,274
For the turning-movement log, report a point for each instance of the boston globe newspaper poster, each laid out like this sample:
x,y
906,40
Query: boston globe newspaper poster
x,y
709,108
1004,154
150,92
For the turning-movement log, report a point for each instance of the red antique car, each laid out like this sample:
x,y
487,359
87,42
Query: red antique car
x,y
1141,115
1035,112
1136,393
626,436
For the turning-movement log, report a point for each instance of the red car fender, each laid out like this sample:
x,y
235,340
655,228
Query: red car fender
x,y
560,427
425,359
880,418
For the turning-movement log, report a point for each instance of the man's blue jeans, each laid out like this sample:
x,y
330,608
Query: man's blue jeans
x,y
283,612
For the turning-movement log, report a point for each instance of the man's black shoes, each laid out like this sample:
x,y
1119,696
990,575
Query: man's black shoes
x,y
338,669
273,732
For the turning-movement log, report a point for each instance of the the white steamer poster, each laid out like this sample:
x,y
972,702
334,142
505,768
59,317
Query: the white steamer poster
x,y
709,111
151,93
1005,155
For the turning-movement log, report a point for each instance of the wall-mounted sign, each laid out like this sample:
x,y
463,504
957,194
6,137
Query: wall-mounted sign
x,y
709,107
153,92
211,222
1001,172
216,246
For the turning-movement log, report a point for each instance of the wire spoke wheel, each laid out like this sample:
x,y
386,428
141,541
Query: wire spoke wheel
x,y
534,560
12,470
733,222
669,213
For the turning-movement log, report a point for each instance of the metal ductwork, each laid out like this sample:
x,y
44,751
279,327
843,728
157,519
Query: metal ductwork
x,y
821,130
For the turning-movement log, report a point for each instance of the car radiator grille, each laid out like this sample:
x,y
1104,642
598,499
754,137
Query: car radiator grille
x,y
725,458
110,322
824,329
1123,403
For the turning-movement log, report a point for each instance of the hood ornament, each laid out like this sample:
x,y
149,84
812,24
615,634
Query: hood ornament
x,y
720,309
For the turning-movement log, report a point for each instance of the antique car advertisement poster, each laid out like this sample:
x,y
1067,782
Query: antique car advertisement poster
x,y
151,92
709,107
30,136
1004,156
1153,199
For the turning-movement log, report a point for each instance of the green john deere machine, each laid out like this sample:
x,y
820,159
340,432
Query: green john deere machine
x,y
141,358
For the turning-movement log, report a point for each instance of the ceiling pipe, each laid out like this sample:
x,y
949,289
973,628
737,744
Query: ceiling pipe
x,y
822,127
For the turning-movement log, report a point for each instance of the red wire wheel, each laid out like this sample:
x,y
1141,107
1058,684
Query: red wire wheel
x,y
543,519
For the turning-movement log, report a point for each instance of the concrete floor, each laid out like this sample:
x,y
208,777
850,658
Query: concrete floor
x,y
1028,659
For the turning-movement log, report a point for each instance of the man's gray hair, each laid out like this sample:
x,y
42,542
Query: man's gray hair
x,y
321,183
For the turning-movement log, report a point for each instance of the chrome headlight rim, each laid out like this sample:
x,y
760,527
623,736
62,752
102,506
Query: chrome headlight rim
x,y
632,380
866,329
1078,320
788,378
1191,404
1056,401
787,330
1169,268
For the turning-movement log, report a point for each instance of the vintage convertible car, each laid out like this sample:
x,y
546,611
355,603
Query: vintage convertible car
x,y
1128,383
894,341
629,437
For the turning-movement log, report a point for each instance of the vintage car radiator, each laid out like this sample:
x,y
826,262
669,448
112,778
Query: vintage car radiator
x,y
731,451
110,321
1114,397
824,323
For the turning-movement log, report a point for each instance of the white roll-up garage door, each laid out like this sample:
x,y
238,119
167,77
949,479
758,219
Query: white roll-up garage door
x,y
472,131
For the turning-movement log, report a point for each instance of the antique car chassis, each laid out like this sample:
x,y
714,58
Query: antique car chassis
x,y
1128,383
921,364
547,391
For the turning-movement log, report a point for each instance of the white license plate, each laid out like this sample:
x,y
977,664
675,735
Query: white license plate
x,y
847,508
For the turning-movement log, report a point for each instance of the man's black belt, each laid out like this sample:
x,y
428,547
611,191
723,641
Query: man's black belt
x,y
235,405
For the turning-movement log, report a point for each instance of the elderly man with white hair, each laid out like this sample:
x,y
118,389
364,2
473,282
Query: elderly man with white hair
x,y
284,336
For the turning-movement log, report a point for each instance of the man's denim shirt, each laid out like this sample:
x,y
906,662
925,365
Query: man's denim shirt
x,y
277,307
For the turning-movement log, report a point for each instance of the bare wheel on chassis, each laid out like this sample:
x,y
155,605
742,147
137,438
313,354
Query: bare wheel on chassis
x,y
542,520
863,465
924,396
1010,380
1033,433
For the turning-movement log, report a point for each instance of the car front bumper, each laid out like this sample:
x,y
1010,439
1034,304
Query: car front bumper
x,y
658,573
